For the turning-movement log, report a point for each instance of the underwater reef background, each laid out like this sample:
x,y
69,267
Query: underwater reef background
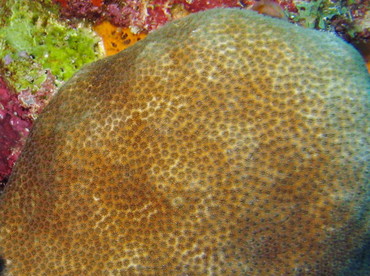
x,y
227,142
43,42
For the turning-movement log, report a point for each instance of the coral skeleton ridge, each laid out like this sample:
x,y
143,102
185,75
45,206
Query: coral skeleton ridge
x,y
226,142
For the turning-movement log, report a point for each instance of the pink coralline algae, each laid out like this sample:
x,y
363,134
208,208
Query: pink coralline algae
x,y
348,20
201,5
146,15
137,14
14,128
17,114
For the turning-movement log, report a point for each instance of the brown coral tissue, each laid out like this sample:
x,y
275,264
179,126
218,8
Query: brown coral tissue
x,y
224,143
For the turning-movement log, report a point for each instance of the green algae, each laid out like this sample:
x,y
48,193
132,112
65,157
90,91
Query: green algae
x,y
33,40
318,14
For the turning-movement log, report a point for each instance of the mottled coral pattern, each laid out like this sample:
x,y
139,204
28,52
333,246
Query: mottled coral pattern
x,y
225,143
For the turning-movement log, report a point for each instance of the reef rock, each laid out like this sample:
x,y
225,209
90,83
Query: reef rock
x,y
226,142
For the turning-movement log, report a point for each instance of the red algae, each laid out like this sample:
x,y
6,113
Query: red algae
x,y
17,115
14,128
97,3
139,16
145,16
201,5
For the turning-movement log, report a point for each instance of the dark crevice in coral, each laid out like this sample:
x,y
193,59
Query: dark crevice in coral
x,y
2,266
359,265
3,183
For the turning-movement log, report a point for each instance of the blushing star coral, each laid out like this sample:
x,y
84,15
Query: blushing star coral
x,y
226,142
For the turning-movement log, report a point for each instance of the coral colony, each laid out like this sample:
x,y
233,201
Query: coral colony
x,y
42,43
224,143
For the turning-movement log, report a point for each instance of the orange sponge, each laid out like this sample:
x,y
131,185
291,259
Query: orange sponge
x,y
116,39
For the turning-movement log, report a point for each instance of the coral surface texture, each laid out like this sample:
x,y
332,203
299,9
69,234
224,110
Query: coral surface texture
x,y
224,143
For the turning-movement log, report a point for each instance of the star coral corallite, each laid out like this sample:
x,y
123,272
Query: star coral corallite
x,y
226,142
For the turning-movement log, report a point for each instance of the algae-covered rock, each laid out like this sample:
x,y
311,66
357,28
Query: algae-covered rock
x,y
33,41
